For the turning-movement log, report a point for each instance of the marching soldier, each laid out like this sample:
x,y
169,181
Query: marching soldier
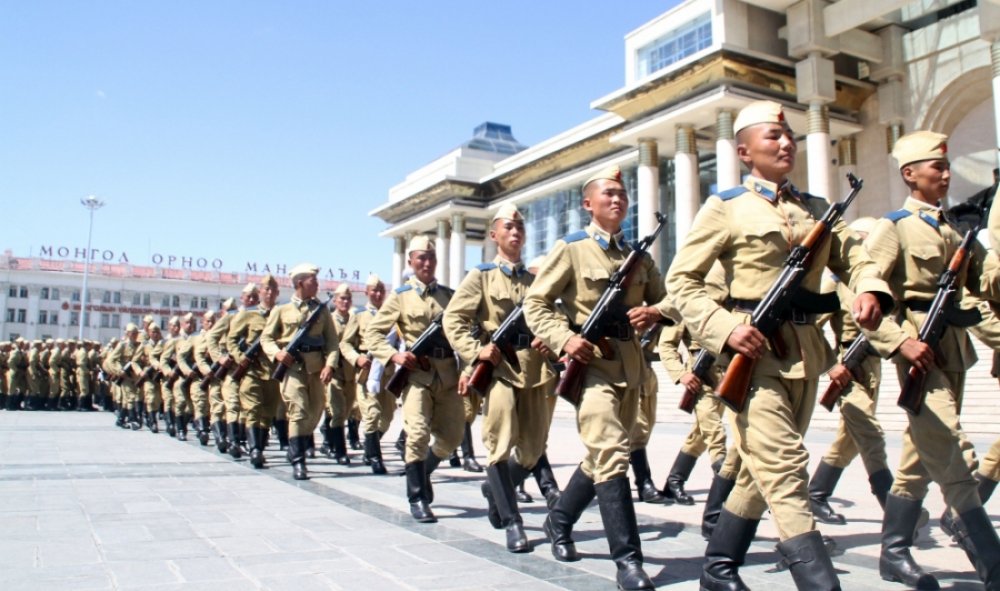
x,y
431,405
37,377
751,230
4,367
169,369
18,374
211,350
183,376
198,367
148,361
515,398
577,271
53,360
67,374
310,367
120,366
84,369
340,392
644,422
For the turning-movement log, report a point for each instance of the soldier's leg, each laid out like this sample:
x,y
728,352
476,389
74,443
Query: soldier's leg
x,y
151,396
370,404
217,416
869,438
639,439
420,460
251,393
447,420
337,409
353,412
200,409
501,429
824,480
722,484
989,472
706,415
470,406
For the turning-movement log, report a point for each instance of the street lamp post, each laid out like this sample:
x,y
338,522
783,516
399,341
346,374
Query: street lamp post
x,y
92,203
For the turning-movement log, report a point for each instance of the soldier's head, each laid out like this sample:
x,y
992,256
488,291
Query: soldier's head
x,y
765,142
342,299
422,258
375,290
132,332
507,230
924,165
208,320
226,306
250,296
71,345
174,326
304,280
268,291
604,196
154,332
188,323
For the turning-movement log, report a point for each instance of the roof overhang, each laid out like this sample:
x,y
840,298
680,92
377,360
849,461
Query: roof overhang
x,y
476,218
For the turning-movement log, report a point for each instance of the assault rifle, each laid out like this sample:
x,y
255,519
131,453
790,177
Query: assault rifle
x,y
702,369
942,309
502,337
191,377
300,334
773,309
570,385
147,374
852,360
175,373
126,370
249,357
226,362
424,343
207,380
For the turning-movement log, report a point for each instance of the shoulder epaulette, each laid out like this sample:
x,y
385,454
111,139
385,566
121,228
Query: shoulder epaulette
x,y
486,266
575,236
734,192
895,216
403,288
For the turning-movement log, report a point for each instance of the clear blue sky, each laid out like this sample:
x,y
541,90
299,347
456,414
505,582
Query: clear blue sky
x,y
266,131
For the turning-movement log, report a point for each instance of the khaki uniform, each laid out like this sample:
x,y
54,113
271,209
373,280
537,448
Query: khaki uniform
x,y
516,408
184,358
203,359
37,375
122,354
577,271
377,408
302,390
4,368
167,363
341,391
259,394
148,356
431,405
750,230
54,361
83,370
68,384
216,342
18,373
912,246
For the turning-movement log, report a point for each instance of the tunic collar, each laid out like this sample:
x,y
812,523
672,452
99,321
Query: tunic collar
x,y
606,240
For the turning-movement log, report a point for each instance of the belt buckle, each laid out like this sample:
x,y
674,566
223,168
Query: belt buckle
x,y
799,316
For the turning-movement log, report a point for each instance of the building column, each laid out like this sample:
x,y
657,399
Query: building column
x,y
442,247
457,254
995,60
687,189
727,162
818,149
847,159
648,202
398,259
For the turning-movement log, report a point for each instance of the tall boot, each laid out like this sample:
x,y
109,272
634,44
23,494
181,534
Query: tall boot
x,y
431,463
219,434
133,417
717,495
522,495
171,423
644,481
622,531
558,526
203,429
416,494
310,445
546,480
373,449
947,521
255,441
400,444
726,552
809,562
821,486
297,456
679,474
880,482
339,446
281,426
896,563
233,430
152,422
182,427
979,540
324,429
469,463
498,481
352,434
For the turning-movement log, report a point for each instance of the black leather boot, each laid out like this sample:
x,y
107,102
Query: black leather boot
x,y
400,444
821,486
416,494
297,456
234,441
546,480
622,531
947,521
986,488
311,445
896,563
431,463
498,482
281,427
522,495
373,449
255,441
324,430
809,562
339,446
717,495
152,422
726,553
975,534
203,429
644,481
558,526
219,434
469,463
679,474
133,417
171,429
182,427
353,437
880,482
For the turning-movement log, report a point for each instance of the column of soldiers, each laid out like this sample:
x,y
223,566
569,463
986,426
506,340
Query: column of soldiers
x,y
47,375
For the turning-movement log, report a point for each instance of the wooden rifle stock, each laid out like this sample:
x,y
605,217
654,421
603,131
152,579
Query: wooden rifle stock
x,y
733,388
911,395
688,400
570,386
207,380
482,375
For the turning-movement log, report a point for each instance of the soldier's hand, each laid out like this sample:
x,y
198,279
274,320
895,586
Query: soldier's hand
x,y
405,359
579,349
642,317
918,354
285,358
539,345
463,385
226,361
840,375
748,341
867,312
691,382
363,361
326,375
490,353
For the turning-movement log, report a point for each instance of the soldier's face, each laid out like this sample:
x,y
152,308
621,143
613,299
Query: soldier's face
x,y
189,326
930,177
768,150
509,236
133,335
607,202
376,295
269,295
175,329
423,263
308,287
207,323
343,302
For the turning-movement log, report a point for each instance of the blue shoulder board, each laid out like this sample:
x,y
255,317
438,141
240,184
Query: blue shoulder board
x,y
895,216
403,288
575,236
486,266
734,192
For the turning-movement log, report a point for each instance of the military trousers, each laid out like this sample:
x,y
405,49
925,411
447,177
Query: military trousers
x,y
18,382
182,398
646,417
83,383
935,447
200,405
731,464
68,382
231,397
37,381
859,431
340,399
604,420
515,422
151,395
471,403
55,383
707,433
377,408
432,411
305,396
775,464
216,404
130,393
259,399
990,466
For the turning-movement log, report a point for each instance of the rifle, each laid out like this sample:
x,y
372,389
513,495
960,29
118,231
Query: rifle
x,y
852,360
772,310
482,371
191,377
702,369
207,380
249,357
570,385
175,373
147,374
226,362
911,395
424,343
126,369
292,348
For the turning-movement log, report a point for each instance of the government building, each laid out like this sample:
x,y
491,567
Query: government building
x,y
853,75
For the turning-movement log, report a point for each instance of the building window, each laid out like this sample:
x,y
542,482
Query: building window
x,y
204,303
86,318
11,314
14,336
13,291
44,293
136,299
22,315
43,317
24,291
106,298
46,337
105,320
145,299
76,296
134,319
176,302
117,297
685,40
53,317
165,302
116,320
55,293
74,319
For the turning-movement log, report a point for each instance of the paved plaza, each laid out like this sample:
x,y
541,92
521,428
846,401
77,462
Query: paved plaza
x,y
86,505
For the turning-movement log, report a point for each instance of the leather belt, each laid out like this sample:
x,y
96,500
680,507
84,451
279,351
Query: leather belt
x,y
310,348
440,353
793,315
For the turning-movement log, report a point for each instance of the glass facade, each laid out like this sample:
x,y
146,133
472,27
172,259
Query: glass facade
x,y
685,40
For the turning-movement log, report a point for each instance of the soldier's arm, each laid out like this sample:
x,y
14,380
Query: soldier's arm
x,y
331,342
351,338
377,332
462,314
237,330
853,264
183,350
987,331
214,337
272,332
882,245
670,355
540,313
201,358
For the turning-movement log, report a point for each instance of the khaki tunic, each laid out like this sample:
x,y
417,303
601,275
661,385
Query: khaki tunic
x,y
184,400
83,370
120,356
216,341
259,394
377,408
340,392
167,362
149,355
55,357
